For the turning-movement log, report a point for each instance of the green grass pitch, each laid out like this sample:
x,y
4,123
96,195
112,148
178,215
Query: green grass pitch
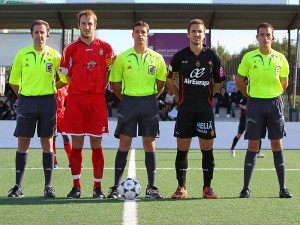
x,y
263,206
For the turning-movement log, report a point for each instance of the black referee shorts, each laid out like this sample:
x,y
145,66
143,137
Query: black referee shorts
x,y
36,111
262,115
141,112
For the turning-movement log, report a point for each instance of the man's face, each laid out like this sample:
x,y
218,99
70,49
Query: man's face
x,y
39,34
196,34
86,26
140,35
265,37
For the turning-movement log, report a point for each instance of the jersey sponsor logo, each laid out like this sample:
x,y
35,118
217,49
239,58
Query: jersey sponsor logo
x,y
49,67
196,82
90,66
151,69
204,128
197,73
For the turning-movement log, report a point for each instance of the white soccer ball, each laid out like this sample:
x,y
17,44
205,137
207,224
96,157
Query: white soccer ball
x,y
129,188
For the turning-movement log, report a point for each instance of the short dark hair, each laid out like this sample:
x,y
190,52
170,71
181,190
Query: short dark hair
x,y
195,21
40,22
141,23
87,13
265,25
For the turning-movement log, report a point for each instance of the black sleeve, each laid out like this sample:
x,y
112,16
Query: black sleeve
x,y
218,71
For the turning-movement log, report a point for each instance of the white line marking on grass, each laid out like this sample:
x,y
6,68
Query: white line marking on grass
x,y
130,210
88,168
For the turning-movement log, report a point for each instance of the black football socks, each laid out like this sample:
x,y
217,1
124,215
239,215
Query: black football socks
x,y
120,164
249,164
181,165
21,161
150,162
208,165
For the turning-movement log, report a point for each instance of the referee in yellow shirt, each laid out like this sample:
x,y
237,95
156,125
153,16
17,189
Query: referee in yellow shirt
x,y
33,79
138,75
267,71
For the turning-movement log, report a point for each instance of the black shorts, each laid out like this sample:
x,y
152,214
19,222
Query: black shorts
x,y
242,124
262,115
35,111
138,111
191,124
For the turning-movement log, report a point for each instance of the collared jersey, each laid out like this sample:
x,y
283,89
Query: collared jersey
x,y
87,66
138,72
264,73
196,74
35,72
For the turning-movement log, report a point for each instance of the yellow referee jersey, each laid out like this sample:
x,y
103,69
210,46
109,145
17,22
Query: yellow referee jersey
x,y
35,72
138,72
264,73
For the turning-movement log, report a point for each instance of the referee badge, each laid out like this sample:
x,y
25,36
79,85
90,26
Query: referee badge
x,y
49,67
151,69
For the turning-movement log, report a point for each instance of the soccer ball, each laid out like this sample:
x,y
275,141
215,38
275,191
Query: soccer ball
x,y
129,188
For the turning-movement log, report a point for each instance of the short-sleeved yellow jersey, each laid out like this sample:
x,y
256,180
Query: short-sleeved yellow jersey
x,y
138,72
264,73
35,72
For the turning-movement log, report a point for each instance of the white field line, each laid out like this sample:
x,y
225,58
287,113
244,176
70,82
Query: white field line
x,y
130,208
112,168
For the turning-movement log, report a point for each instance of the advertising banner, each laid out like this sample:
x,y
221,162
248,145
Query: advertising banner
x,y
167,44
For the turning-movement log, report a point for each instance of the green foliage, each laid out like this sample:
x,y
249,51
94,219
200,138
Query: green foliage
x,y
297,106
263,207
